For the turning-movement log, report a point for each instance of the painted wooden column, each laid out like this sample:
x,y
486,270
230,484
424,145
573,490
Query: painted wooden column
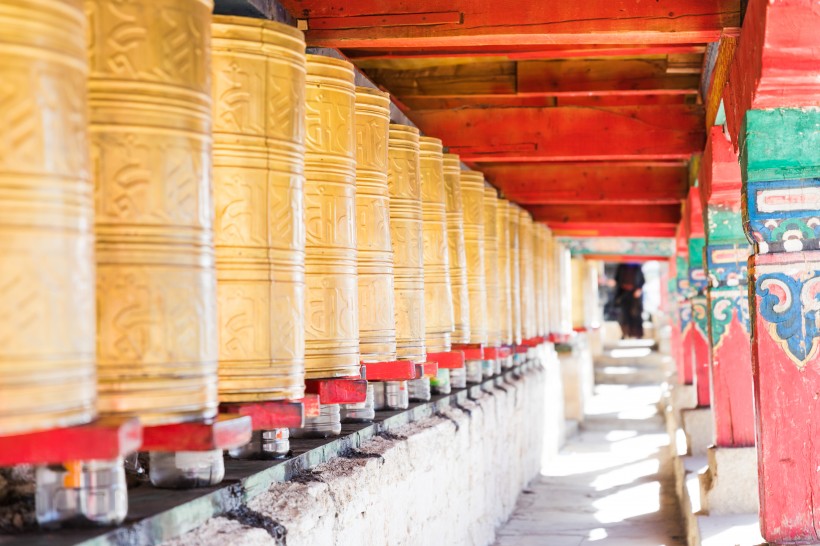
x,y
780,160
771,102
697,336
726,253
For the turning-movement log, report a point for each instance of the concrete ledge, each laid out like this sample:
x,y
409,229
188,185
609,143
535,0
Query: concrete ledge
x,y
698,425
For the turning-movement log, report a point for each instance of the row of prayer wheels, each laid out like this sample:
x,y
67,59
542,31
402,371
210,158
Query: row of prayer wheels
x,y
239,214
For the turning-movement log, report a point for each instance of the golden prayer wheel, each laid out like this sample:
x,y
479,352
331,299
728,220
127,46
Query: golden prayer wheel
x,y
406,234
438,299
527,264
472,195
377,321
491,269
259,232
46,212
538,260
515,272
504,271
332,301
150,128
457,258
543,287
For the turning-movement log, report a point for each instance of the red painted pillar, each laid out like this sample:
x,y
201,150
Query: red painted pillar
x,y
698,332
726,253
772,102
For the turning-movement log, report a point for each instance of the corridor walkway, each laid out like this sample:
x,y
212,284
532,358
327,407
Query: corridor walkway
x,y
612,484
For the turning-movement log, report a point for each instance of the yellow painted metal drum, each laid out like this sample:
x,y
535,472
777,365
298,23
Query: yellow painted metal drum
x,y
515,271
472,195
491,269
504,273
406,234
527,262
377,321
540,277
259,119
438,299
457,256
150,129
332,301
46,219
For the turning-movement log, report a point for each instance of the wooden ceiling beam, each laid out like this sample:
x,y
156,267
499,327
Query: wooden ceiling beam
x,y
598,229
666,215
590,182
567,133
512,52
387,24
425,102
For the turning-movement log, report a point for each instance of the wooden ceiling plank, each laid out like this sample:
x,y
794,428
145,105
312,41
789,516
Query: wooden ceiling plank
x,y
425,24
607,214
567,133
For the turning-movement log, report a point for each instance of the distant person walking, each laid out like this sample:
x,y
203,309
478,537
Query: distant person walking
x,y
628,299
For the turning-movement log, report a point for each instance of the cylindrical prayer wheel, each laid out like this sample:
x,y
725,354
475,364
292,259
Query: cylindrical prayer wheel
x,y
515,272
538,260
406,234
457,258
46,212
259,232
438,299
526,259
491,270
377,321
332,301
150,128
472,194
504,273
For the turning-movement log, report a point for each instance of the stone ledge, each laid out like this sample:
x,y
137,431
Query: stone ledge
x,y
158,515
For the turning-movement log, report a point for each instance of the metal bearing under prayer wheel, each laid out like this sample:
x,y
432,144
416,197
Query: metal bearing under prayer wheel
x,y
515,272
332,302
504,285
377,321
457,258
150,128
526,259
438,299
259,110
47,375
406,234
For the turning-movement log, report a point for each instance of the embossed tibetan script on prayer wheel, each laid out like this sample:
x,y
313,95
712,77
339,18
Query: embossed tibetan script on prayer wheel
x,y
377,321
259,119
515,271
438,300
455,248
46,213
502,218
491,271
332,302
472,195
406,234
150,128
526,260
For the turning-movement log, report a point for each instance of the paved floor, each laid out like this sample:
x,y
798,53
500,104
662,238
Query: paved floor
x,y
613,483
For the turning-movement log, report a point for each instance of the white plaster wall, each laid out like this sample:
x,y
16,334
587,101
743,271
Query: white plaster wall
x,y
578,377
450,480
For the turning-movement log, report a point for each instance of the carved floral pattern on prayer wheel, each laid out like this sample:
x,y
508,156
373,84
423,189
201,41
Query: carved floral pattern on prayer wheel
x,y
455,248
46,219
515,271
527,262
438,299
504,286
472,195
150,129
377,321
259,232
491,270
406,234
332,302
